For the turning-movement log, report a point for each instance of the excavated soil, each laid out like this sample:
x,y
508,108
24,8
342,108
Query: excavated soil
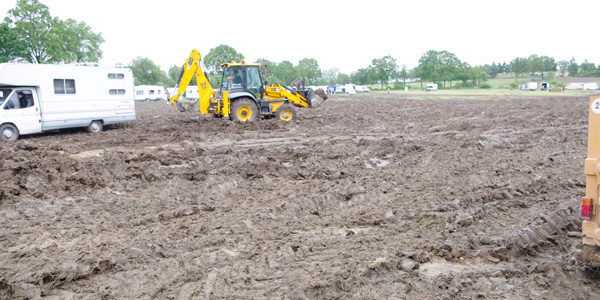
x,y
370,196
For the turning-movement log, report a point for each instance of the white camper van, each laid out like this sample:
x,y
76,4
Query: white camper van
x,y
149,93
40,97
530,86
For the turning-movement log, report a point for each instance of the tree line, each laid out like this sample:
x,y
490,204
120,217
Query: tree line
x,y
30,34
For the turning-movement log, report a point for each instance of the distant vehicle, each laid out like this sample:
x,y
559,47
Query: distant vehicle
x,y
149,93
432,87
530,86
582,86
350,89
545,86
191,92
40,97
362,89
590,86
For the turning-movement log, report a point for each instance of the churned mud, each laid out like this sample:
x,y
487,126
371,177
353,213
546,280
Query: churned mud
x,y
370,196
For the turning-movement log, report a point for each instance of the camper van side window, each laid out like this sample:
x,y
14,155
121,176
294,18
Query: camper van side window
x,y
64,86
70,84
59,86
115,76
116,92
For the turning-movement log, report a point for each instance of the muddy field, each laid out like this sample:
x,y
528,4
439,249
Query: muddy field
x,y
372,196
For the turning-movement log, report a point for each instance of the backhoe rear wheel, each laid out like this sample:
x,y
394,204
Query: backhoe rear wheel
x,y
244,110
286,113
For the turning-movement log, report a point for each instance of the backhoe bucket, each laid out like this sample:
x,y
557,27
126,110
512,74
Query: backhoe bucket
x,y
317,98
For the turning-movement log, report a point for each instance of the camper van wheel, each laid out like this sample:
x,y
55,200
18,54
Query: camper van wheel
x,y
95,126
9,132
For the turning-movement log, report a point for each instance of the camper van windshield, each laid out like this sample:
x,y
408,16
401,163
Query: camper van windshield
x,y
4,93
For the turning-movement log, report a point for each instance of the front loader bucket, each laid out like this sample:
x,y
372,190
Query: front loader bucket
x,y
317,98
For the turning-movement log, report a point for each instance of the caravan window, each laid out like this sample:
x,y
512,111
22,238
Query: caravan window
x,y
139,92
115,76
64,86
116,92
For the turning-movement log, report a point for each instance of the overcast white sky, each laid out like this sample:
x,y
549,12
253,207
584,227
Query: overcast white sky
x,y
343,34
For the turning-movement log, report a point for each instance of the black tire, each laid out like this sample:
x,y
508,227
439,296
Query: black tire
x,y
95,127
9,132
285,113
244,110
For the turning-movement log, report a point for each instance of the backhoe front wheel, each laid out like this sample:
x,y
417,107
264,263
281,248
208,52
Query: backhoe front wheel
x,y
244,110
285,113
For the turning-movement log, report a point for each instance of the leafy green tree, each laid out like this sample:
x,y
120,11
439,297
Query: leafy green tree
x,y
588,69
31,23
535,64
75,42
519,65
43,39
494,70
573,68
309,68
428,65
449,66
404,72
266,68
219,55
286,72
563,66
174,72
483,73
11,47
438,66
542,64
464,73
343,78
145,72
329,76
384,69
362,76
549,64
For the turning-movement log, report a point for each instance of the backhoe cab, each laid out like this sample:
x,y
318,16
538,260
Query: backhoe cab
x,y
243,95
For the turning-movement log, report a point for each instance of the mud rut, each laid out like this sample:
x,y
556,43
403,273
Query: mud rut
x,y
367,197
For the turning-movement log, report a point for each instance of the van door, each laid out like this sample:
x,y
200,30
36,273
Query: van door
x,y
22,108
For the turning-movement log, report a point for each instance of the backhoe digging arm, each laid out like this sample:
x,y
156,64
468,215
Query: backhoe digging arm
x,y
193,66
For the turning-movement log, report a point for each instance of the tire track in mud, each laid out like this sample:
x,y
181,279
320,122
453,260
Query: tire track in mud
x,y
243,144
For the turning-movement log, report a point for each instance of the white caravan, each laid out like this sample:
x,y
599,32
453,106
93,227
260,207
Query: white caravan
x,y
149,93
191,93
40,97
431,87
362,89
530,86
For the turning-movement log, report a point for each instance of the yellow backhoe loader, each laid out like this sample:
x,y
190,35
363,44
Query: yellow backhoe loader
x,y
243,95
589,204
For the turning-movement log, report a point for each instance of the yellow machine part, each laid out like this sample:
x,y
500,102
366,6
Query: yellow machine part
x,y
279,92
190,68
591,228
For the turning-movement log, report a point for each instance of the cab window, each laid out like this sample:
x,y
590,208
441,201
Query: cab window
x,y
20,99
4,94
254,82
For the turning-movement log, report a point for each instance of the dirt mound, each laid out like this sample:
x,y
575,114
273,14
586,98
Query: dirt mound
x,y
370,196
